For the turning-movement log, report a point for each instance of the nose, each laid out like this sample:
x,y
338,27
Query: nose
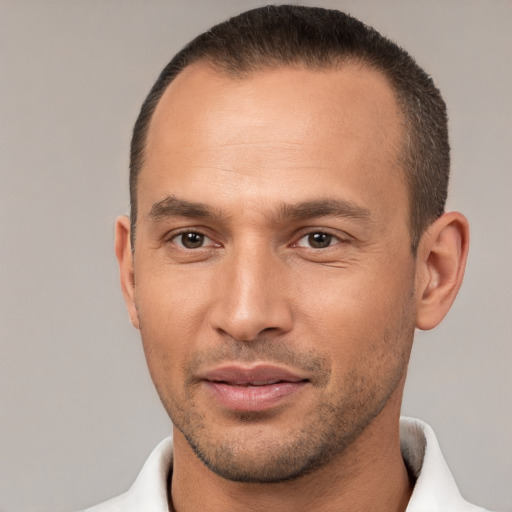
x,y
251,296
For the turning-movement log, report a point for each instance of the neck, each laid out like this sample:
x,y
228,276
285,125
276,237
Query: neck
x,y
370,475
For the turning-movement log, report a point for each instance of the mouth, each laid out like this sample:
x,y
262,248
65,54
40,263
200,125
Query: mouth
x,y
256,388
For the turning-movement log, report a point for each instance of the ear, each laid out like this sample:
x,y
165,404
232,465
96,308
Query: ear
x,y
125,260
441,260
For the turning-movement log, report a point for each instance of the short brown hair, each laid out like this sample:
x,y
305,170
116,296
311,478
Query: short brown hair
x,y
288,35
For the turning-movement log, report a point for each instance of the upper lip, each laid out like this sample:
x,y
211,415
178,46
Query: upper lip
x,y
243,375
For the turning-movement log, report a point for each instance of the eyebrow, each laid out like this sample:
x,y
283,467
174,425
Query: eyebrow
x,y
173,206
324,208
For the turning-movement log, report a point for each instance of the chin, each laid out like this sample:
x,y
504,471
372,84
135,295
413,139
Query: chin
x,y
266,452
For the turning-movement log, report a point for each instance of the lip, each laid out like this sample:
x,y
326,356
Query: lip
x,y
252,388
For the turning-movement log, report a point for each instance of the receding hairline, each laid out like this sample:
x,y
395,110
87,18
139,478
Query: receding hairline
x,y
354,63
222,72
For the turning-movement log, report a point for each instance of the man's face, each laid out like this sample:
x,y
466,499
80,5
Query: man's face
x,y
274,279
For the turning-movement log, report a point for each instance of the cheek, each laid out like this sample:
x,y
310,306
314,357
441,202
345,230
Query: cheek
x,y
170,298
360,316
171,310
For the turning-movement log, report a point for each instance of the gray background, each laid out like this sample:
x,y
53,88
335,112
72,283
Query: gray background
x,y
78,414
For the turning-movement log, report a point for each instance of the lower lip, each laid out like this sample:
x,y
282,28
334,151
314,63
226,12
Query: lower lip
x,y
253,398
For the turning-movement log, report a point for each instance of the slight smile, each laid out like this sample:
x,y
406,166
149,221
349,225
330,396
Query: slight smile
x,y
252,389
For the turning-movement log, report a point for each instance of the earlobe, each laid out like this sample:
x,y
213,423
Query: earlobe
x,y
441,260
125,260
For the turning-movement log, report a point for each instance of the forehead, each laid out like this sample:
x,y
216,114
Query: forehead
x,y
353,95
295,127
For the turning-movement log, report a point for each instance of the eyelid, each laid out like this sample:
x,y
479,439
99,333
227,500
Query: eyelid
x,y
173,235
341,237
170,236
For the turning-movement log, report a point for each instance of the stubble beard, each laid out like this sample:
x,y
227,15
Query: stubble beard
x,y
315,440
311,446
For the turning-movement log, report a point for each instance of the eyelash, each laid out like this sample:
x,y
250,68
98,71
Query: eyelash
x,y
181,234
304,235
326,234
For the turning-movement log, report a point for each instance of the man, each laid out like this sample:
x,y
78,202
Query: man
x,y
289,171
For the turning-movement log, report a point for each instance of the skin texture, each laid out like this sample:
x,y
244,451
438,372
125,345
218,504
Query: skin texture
x,y
257,171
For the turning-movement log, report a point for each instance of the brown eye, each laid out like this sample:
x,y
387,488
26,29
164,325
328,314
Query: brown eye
x,y
318,240
191,240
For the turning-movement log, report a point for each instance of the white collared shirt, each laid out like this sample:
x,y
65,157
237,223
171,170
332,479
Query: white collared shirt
x,y
435,489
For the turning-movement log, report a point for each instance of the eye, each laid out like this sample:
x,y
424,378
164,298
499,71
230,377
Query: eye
x,y
192,240
317,240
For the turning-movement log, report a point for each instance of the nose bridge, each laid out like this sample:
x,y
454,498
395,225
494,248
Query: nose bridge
x,y
252,297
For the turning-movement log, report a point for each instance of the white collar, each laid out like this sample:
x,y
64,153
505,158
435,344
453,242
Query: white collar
x,y
435,489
